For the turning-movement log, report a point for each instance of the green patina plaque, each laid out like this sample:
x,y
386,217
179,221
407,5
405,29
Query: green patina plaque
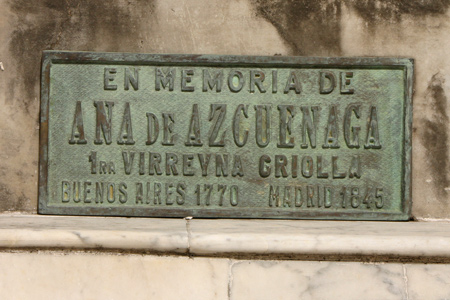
x,y
225,136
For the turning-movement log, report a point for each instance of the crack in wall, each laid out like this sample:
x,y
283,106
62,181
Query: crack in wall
x,y
189,235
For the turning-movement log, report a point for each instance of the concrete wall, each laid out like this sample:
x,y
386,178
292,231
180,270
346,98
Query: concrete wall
x,y
417,28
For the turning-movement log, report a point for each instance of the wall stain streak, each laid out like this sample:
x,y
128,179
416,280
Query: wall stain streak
x,y
392,10
77,25
313,27
10,201
308,27
435,137
69,25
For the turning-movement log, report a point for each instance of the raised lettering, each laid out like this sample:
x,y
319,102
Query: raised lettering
x,y
217,116
221,188
294,166
310,192
280,166
77,192
65,192
320,173
336,173
307,166
154,167
164,79
274,81
355,167
264,167
257,79
187,164
332,132
235,81
193,136
274,196
237,130
216,80
352,142
263,124
126,131
103,122
309,125
286,115
287,197
123,194
152,129
77,127
171,161
141,163
204,162
139,193
157,193
93,161
181,191
238,168
169,192
345,82
87,192
185,79
111,192
234,195
373,135
109,75
292,84
327,88
327,196
128,158
221,165
131,76
168,123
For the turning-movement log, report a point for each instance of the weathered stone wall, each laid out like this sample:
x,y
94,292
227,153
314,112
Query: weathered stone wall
x,y
417,28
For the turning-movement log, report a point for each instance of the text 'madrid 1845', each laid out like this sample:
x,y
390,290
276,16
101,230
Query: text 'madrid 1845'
x,y
207,136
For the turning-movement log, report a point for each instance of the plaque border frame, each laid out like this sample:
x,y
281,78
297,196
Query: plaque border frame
x,y
51,57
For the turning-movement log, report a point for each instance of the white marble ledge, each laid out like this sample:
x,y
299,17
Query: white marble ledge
x,y
34,231
226,237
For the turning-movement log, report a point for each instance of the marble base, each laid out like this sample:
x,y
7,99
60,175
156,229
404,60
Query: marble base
x,y
34,231
79,275
41,258
85,276
271,238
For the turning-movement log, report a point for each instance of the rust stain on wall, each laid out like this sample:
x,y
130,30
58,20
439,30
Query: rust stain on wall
x,y
435,136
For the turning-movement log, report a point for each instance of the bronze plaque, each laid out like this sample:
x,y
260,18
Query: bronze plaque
x,y
225,136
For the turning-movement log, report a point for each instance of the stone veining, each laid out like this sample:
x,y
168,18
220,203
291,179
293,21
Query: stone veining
x,y
405,277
